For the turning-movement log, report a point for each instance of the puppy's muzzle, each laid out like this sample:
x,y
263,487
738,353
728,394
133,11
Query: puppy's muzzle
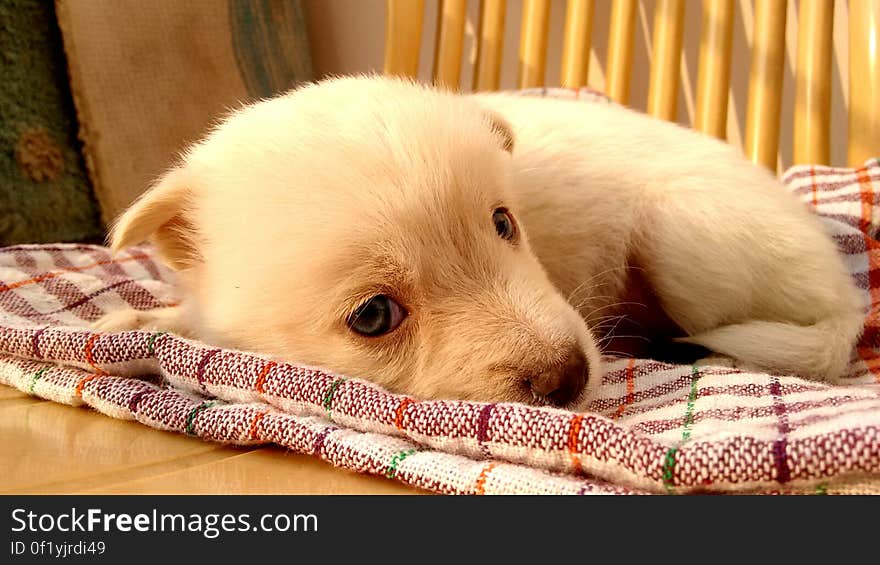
x,y
562,383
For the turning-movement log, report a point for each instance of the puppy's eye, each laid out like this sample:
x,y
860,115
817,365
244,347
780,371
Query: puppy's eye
x,y
379,315
504,223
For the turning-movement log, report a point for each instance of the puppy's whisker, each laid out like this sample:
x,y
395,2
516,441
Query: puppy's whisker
x,y
602,319
616,304
602,323
608,339
594,277
615,352
583,285
591,298
610,333
624,303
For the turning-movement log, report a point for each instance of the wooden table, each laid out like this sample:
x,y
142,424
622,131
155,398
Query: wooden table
x,y
51,448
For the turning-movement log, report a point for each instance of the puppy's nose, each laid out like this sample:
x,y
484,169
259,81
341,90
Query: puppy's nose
x,y
562,383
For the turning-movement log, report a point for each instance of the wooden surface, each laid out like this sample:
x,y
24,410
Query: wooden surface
x,y
812,105
620,50
713,74
665,66
450,39
490,45
864,81
576,43
403,37
765,83
533,42
49,448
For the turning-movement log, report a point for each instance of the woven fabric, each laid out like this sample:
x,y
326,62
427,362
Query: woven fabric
x,y
653,427
127,62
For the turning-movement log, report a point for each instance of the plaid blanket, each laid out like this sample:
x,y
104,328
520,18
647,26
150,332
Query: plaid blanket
x,y
654,427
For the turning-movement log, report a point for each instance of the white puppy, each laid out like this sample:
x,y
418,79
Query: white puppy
x,y
487,246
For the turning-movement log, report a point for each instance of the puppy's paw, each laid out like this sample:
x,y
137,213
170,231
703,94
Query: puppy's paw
x,y
159,319
717,360
120,321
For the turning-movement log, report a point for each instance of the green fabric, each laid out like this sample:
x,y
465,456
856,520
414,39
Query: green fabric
x,y
45,194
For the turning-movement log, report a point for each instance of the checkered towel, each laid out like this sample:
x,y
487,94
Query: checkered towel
x,y
654,427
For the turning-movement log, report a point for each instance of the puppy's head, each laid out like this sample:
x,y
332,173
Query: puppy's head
x,y
367,226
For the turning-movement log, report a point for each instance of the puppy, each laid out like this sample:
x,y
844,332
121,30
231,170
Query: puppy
x,y
485,247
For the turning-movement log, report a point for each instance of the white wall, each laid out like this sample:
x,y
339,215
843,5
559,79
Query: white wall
x,y
347,37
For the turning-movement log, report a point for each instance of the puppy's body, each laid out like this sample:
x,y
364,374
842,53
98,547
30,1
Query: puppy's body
x,y
736,262
296,210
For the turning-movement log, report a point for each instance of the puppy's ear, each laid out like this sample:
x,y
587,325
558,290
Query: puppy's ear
x,y
161,215
501,129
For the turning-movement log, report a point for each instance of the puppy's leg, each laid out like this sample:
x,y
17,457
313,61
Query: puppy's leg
x,y
170,319
753,277
820,351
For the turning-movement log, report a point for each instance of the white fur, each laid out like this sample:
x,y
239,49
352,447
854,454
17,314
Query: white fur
x,y
296,207
741,265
